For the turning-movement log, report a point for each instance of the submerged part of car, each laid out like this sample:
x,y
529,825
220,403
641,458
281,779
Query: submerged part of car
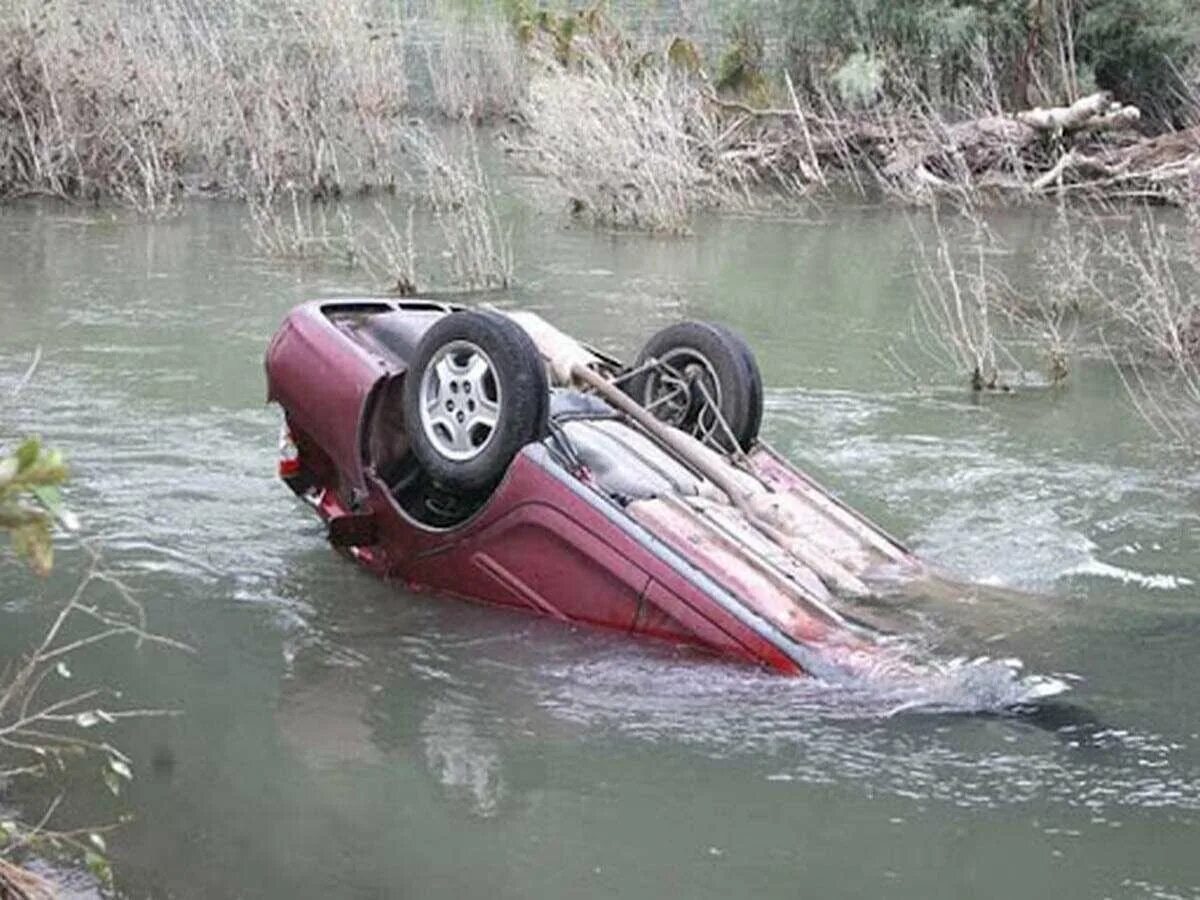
x,y
486,455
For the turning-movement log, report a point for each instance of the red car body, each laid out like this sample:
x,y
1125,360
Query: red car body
x,y
551,538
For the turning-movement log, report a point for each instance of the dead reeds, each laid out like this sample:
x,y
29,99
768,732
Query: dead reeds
x,y
631,151
293,107
476,67
1147,290
958,294
445,181
475,244
108,102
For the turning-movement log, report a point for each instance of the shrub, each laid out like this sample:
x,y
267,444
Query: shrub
x,y
476,68
859,81
132,103
630,151
1138,49
1028,53
740,68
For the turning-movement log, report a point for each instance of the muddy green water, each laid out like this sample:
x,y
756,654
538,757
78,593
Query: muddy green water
x,y
342,739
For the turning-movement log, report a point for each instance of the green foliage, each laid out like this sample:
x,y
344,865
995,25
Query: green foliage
x,y
1138,49
530,21
860,79
684,55
934,45
99,866
740,68
945,48
30,501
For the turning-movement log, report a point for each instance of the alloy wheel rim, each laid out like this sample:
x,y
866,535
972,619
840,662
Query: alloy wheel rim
x,y
460,401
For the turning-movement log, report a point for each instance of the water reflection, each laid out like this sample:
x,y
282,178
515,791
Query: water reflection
x,y
466,763
323,718
478,701
390,705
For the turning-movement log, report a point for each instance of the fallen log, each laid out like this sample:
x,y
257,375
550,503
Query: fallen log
x,y
1091,144
1013,144
1095,111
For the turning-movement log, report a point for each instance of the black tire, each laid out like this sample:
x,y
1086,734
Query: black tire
x,y
719,359
450,441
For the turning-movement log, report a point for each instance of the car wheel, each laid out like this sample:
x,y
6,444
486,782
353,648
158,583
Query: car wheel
x,y
475,394
701,361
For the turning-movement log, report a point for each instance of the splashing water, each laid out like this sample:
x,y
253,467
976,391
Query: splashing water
x,y
869,686
979,685
897,674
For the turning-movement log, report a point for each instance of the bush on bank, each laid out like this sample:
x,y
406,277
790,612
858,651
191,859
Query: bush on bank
x,y
1020,52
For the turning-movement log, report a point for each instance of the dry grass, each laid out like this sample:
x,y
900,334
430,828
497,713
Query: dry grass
x,y
1166,397
974,321
1130,282
477,69
631,136
87,111
631,151
1150,294
476,246
292,225
139,103
384,249
1150,288
292,106
960,295
319,113
144,103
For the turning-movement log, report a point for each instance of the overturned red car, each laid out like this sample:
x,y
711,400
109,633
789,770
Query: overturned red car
x,y
485,455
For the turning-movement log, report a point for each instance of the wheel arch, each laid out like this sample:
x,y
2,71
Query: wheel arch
x,y
325,383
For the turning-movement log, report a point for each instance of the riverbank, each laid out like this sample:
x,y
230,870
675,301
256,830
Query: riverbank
x,y
640,126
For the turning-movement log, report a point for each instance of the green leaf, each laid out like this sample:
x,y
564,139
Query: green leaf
x,y
28,453
98,865
48,495
51,499
33,472
121,768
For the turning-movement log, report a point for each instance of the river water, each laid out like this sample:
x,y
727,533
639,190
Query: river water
x,y
340,738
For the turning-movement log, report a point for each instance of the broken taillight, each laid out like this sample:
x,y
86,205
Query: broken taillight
x,y
289,454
